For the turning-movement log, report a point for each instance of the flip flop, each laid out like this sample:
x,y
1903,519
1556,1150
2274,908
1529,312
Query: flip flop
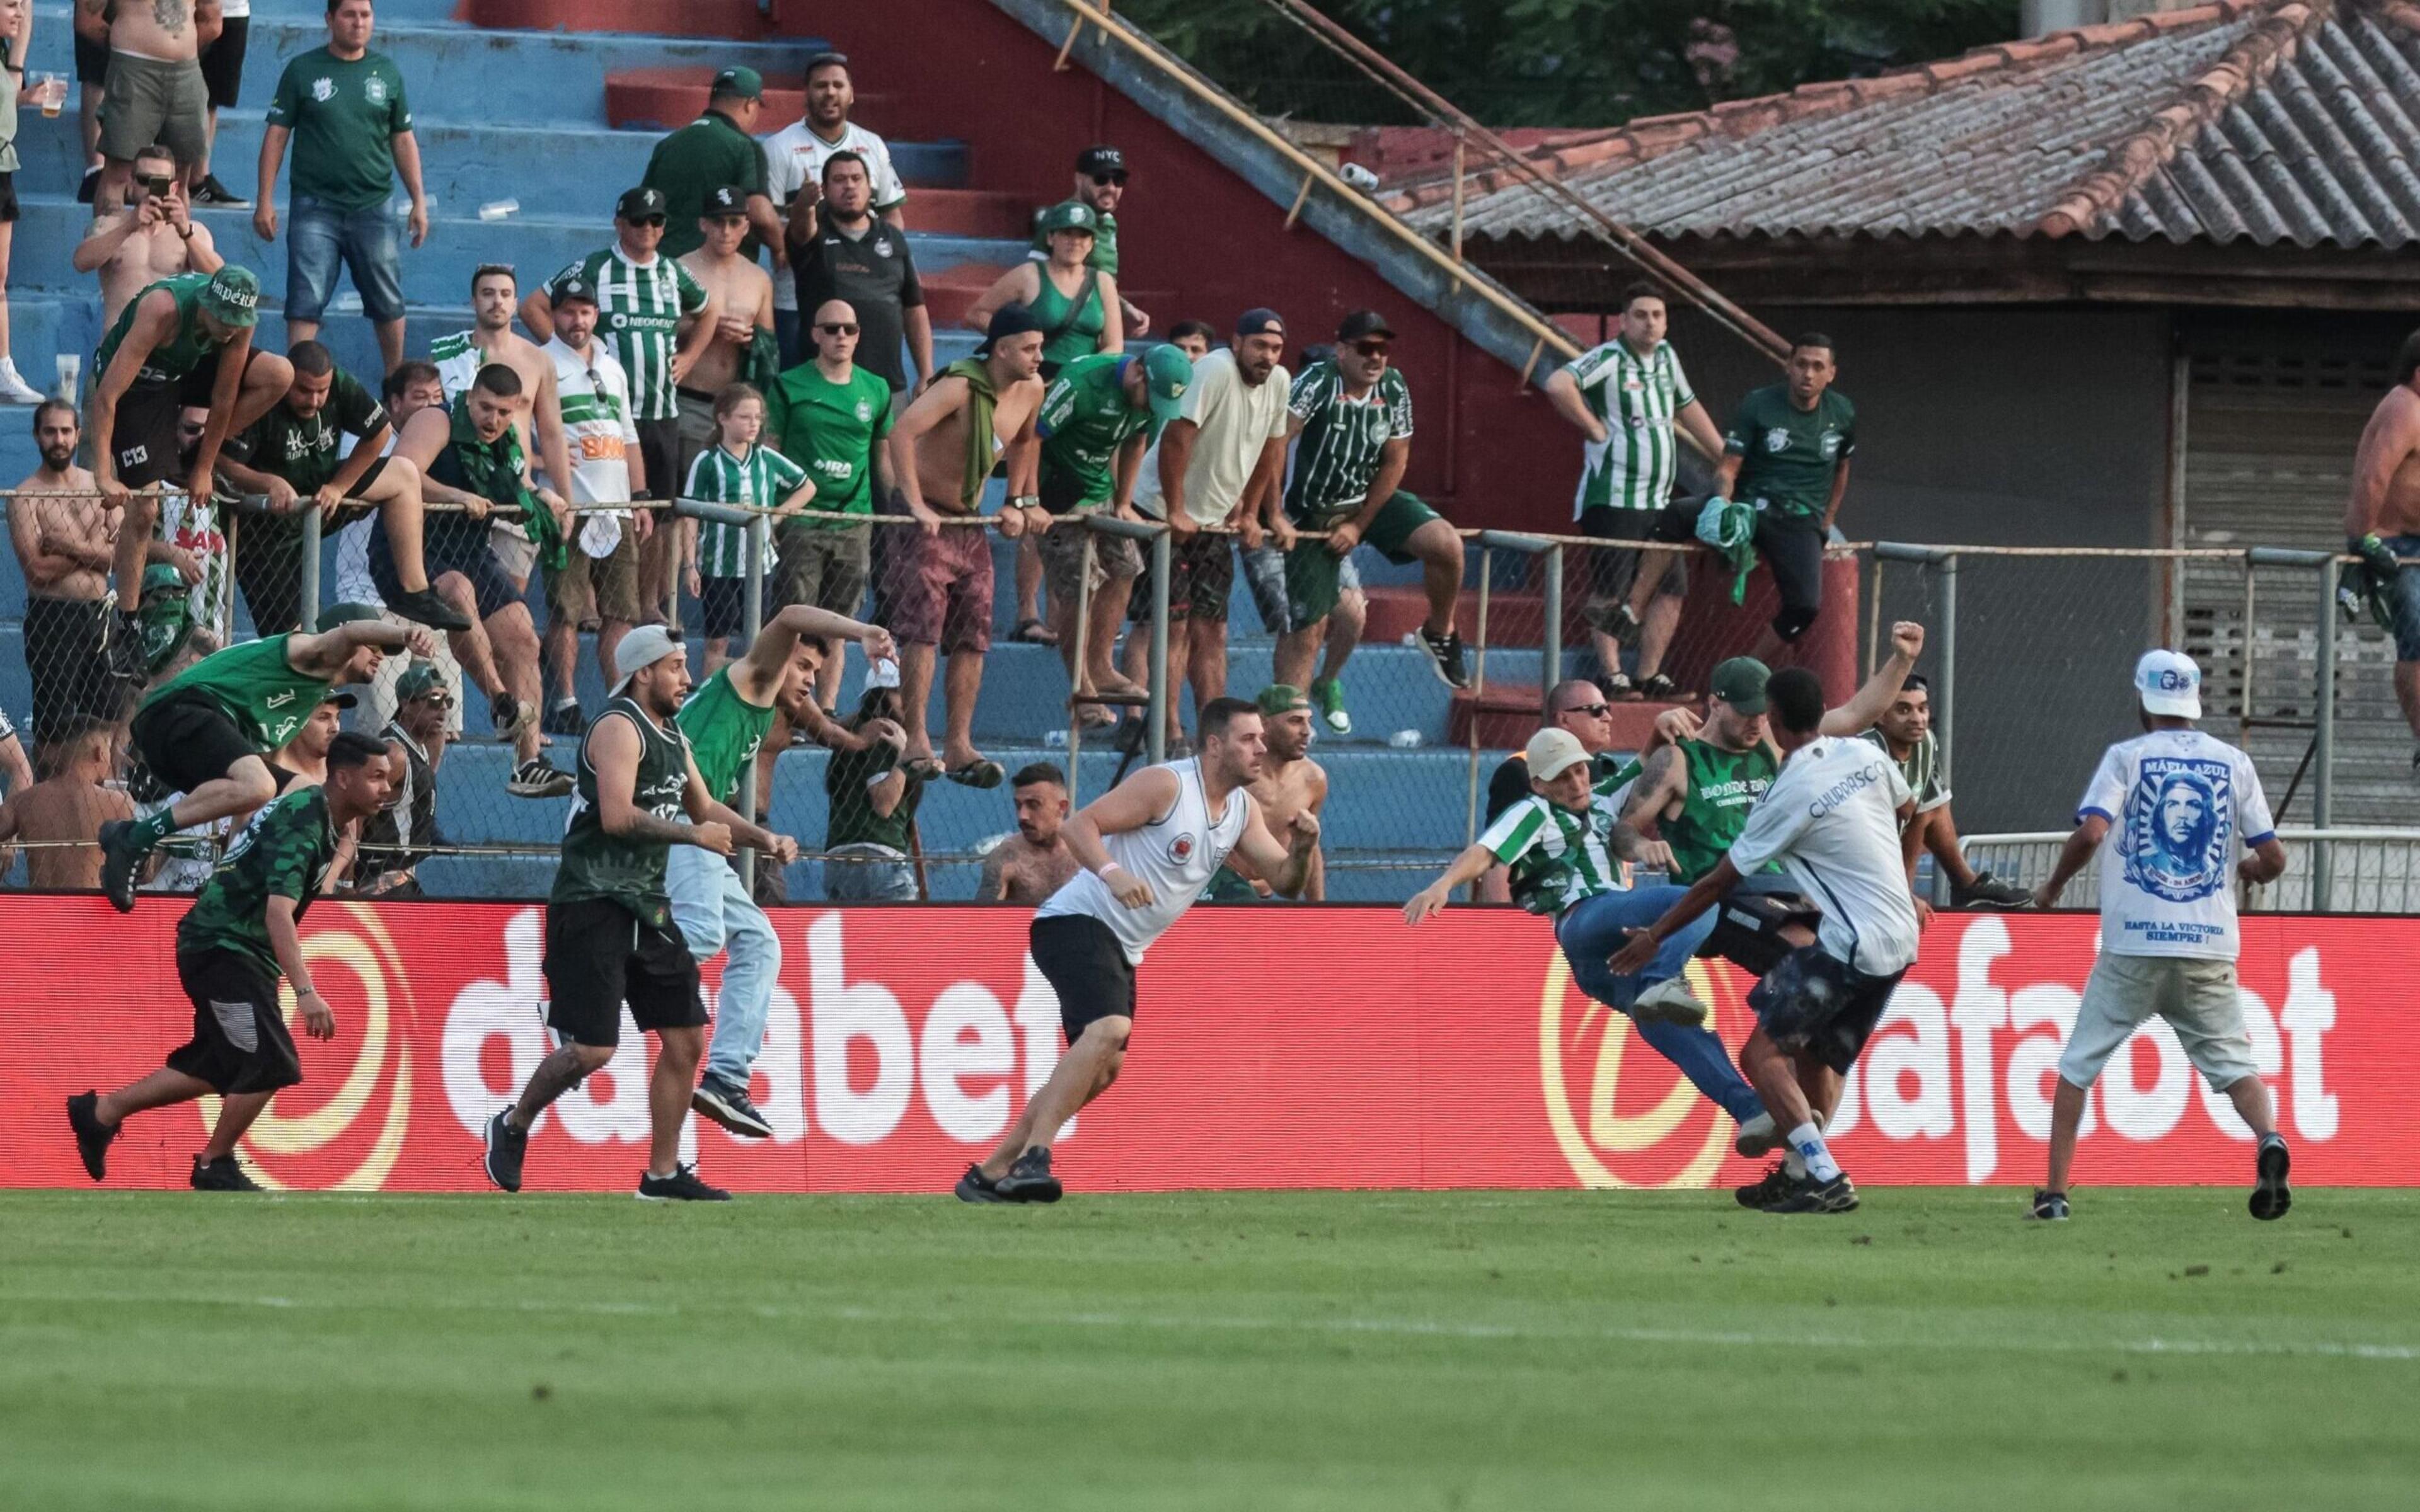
x,y
980,774
925,768
1034,633
1093,716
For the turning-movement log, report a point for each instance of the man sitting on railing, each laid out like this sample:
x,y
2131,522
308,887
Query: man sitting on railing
x,y
1906,729
1787,453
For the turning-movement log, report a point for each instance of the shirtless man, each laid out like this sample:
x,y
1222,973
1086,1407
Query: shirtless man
x,y
1290,783
55,816
1030,865
154,238
942,459
494,294
2386,504
740,302
155,91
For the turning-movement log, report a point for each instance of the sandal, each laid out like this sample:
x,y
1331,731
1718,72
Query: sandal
x,y
925,768
1034,633
1617,687
980,774
1661,689
1093,716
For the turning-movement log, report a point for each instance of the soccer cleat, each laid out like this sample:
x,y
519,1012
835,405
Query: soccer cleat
x,y
427,607
2050,1206
1328,694
1989,891
119,860
1445,657
510,717
211,191
1030,1179
728,1105
682,1185
2271,1197
976,1187
1669,1001
222,1175
92,1137
1807,1194
1757,1136
539,777
508,1147
563,719
1777,1184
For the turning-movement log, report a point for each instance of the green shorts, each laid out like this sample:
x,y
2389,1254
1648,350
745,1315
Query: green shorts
x,y
1312,569
153,99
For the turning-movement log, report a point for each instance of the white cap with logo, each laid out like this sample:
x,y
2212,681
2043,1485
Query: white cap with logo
x,y
1553,751
642,647
2169,684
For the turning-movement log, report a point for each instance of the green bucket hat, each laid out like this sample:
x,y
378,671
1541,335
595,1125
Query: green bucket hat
x,y
233,295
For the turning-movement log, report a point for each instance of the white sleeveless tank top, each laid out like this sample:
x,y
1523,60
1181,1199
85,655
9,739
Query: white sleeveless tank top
x,y
1177,854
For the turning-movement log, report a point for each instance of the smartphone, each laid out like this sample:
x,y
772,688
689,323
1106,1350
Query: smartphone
x,y
158,186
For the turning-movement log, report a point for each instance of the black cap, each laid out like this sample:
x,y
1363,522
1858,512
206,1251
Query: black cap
x,y
824,60
638,202
1362,323
340,699
729,200
1103,159
1258,321
1008,320
572,285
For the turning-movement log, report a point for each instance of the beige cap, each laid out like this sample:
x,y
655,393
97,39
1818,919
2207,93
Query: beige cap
x,y
1551,751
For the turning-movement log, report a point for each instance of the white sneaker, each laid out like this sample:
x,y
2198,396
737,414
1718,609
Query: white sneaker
x,y
15,389
1757,1136
1671,1001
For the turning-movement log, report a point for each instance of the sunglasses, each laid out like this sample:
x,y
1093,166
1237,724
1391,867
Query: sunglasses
x,y
1593,711
649,220
1371,349
1103,180
838,328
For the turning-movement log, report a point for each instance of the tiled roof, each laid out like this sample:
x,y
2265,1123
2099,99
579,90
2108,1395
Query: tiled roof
x,y
2248,119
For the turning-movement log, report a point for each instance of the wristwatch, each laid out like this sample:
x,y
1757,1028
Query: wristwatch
x,y
1026,501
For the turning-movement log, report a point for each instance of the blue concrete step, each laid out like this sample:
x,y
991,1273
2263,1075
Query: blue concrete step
x,y
389,12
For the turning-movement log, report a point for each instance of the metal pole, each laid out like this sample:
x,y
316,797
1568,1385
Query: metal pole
x,y
1163,697
1478,698
1552,650
1946,705
1082,663
310,595
2323,740
751,620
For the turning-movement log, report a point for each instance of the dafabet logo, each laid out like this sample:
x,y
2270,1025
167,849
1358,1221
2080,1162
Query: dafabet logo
x,y
1648,1129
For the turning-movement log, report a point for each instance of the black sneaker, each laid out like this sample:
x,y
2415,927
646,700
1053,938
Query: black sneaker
x,y
1445,655
90,186
511,720
682,1185
1990,892
976,1187
222,1175
1807,1194
2050,1206
1778,1183
728,1105
508,1147
92,1137
211,191
427,605
539,777
2273,1197
119,860
563,719
1030,1179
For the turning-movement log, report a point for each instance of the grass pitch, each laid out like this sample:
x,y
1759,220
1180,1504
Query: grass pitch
x,y
1242,1350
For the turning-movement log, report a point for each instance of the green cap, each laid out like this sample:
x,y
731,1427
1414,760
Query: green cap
x,y
746,83
1281,697
233,295
1070,215
1166,372
336,614
160,581
1739,683
419,681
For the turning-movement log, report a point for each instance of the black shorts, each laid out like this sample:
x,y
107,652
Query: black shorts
x,y
1613,572
1747,928
600,955
659,449
723,605
1086,966
144,434
91,60
240,1043
450,542
67,653
1793,546
7,198
187,740
1815,1002
1200,579
222,63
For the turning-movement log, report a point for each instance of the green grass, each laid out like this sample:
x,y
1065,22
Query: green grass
x,y
1245,1350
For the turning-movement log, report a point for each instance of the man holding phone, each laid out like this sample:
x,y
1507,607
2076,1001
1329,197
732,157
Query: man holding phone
x,y
155,237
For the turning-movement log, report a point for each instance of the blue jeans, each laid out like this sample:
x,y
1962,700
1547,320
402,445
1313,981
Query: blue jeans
x,y
869,873
713,909
1591,930
318,235
2403,605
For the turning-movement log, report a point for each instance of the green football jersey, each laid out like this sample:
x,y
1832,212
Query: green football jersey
x,y
1343,440
1085,418
639,310
832,431
1636,399
1722,786
626,871
183,352
1556,858
284,852
252,685
723,731
1789,455
763,479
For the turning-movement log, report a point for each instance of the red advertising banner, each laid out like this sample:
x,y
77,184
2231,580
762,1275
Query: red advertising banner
x,y
1276,1047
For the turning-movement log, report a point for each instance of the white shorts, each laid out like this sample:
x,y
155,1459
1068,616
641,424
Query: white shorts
x,y
514,550
2197,997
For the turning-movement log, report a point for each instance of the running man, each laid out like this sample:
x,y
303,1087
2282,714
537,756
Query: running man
x,y
1146,849
611,938
1562,844
207,732
232,946
1026,868
2184,807
724,723
1833,820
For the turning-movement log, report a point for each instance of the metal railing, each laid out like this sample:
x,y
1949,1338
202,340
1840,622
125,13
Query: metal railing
x,y
2327,871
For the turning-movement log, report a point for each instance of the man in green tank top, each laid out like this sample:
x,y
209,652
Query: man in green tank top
x,y
610,939
725,722
207,732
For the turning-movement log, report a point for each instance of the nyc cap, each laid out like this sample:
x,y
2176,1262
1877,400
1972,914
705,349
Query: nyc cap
x,y
642,647
1553,751
2169,684
1104,159
1166,372
1739,683
233,295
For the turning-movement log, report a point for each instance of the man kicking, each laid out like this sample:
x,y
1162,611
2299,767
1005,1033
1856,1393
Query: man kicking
x,y
1561,844
611,938
207,732
231,947
1147,847
725,722
1832,820
2180,803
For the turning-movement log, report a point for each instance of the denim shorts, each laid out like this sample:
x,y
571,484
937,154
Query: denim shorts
x,y
319,235
2403,603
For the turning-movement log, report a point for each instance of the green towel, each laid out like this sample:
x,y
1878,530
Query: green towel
x,y
1730,529
982,444
763,364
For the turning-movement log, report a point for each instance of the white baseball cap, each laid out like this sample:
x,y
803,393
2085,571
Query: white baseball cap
x,y
2169,684
1552,751
642,647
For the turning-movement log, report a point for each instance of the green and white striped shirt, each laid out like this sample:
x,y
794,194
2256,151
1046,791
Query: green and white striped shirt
x,y
639,313
1636,399
1556,858
1338,452
763,478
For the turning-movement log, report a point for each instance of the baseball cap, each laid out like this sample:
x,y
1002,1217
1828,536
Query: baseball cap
x,y
336,614
341,699
1102,158
1258,321
2169,683
1070,215
1008,320
1739,683
1281,697
638,202
729,200
233,295
1166,372
161,580
572,286
1362,323
1552,751
747,83
420,680
642,647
